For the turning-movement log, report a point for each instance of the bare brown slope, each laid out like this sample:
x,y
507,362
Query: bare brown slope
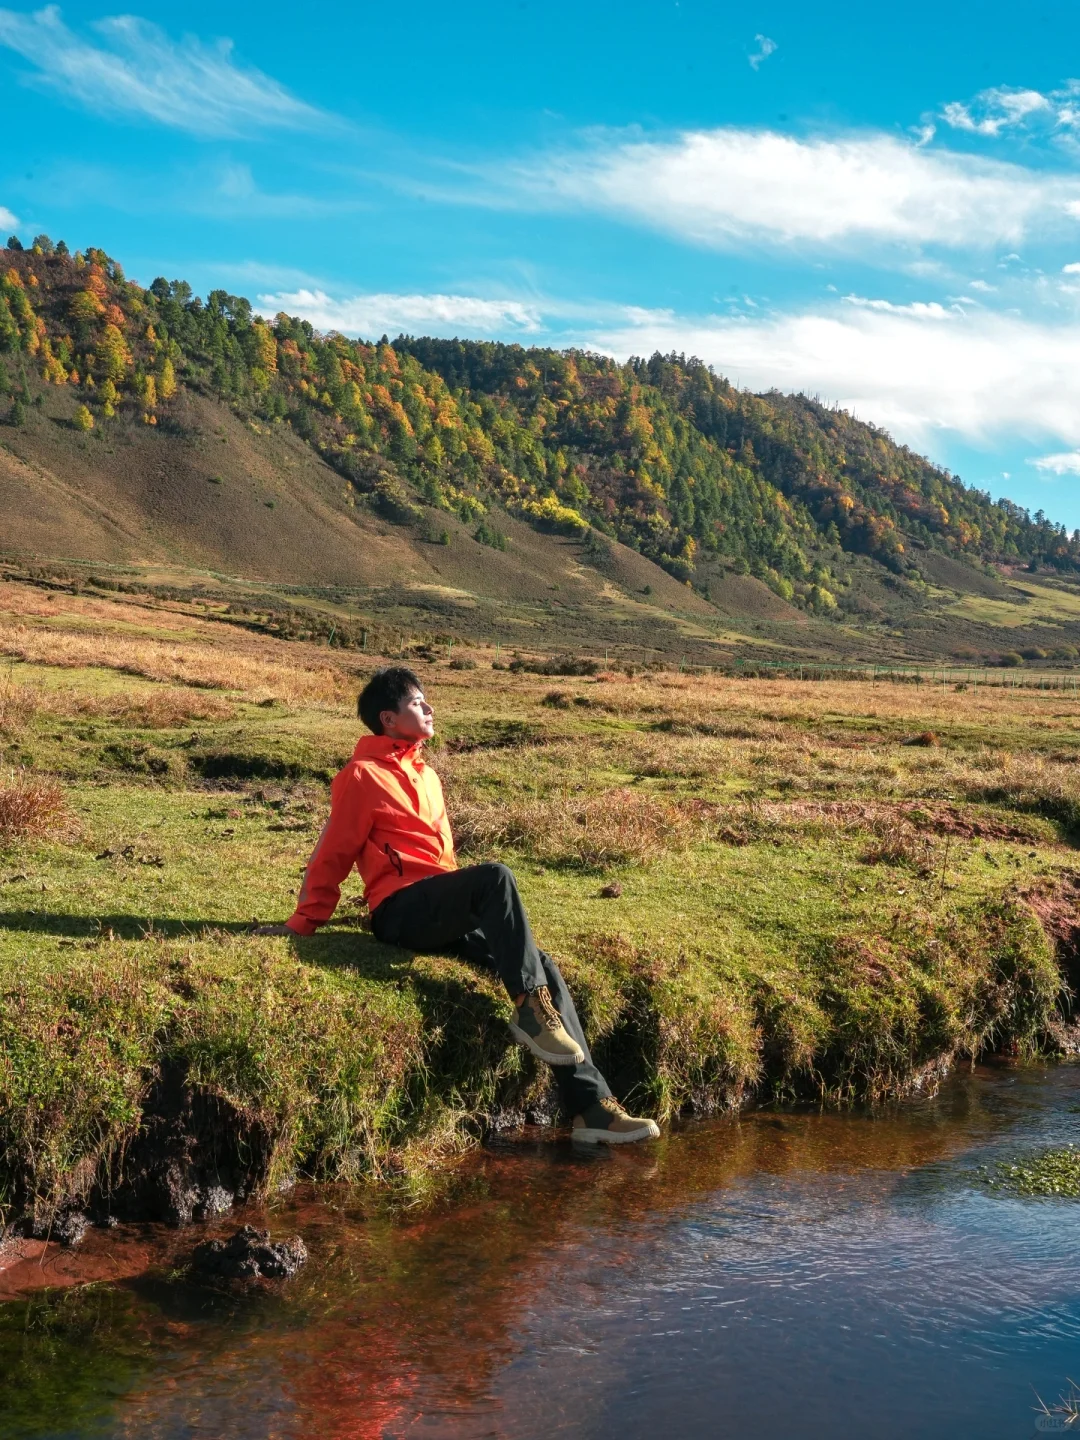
x,y
214,492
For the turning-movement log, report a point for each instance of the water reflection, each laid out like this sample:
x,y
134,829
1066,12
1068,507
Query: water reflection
x,y
768,1275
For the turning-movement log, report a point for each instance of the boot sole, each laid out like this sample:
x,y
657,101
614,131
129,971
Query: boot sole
x,y
545,1055
584,1136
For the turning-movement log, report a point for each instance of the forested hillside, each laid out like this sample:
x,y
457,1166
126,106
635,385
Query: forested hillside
x,y
661,454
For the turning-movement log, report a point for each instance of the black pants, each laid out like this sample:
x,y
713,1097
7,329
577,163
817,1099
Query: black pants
x,y
477,913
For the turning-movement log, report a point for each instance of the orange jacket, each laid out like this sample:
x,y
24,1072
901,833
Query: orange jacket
x,y
388,818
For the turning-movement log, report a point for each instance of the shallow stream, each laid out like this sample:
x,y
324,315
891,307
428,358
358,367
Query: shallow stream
x,y
775,1274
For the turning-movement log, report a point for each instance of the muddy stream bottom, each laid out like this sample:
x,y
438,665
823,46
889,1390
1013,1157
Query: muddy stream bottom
x,y
775,1274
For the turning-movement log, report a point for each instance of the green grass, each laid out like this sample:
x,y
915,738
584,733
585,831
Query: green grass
x,y
809,909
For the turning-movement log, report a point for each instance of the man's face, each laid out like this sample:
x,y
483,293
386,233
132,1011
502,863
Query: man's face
x,y
414,719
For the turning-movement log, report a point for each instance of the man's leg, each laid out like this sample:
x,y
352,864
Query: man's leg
x,y
479,912
581,1085
584,1094
435,913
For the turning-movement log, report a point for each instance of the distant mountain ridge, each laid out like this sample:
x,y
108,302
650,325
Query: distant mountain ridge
x,y
661,455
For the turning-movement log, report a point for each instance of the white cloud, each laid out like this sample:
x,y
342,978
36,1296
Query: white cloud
x,y
766,47
374,315
731,187
997,109
7,219
138,70
1067,463
918,370
1071,269
981,285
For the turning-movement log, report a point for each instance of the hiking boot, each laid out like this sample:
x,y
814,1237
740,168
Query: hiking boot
x,y
607,1123
537,1026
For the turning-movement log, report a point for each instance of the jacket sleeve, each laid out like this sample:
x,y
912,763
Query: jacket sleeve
x,y
335,853
442,819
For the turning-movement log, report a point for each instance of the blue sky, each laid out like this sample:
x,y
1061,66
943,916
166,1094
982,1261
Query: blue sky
x,y
880,206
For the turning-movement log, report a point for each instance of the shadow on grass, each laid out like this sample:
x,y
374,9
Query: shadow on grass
x,y
123,927
333,949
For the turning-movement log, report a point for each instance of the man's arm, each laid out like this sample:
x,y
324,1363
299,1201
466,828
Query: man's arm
x,y
335,853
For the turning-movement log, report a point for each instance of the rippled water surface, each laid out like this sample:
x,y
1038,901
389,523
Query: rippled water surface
x,y
773,1275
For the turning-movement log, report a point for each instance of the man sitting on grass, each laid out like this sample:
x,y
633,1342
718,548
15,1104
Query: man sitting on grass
x,y
388,818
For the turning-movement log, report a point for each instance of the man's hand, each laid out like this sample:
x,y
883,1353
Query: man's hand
x,y
272,930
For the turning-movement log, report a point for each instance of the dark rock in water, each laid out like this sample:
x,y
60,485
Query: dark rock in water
x,y
250,1255
215,1200
70,1228
65,1227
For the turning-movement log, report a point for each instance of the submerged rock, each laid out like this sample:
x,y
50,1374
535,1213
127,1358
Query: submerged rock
x,y
250,1255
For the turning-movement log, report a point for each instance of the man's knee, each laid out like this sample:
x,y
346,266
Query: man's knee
x,y
498,876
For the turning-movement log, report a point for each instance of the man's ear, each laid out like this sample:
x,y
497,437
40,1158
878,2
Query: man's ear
x,y
384,716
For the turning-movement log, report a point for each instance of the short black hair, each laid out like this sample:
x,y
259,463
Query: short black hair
x,y
385,691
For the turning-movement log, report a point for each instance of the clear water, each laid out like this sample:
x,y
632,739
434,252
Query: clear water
x,y
811,1275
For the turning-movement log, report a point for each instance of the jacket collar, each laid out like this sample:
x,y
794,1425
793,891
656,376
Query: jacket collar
x,y
383,747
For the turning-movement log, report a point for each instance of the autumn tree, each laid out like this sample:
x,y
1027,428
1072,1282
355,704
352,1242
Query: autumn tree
x,y
112,354
108,395
85,307
82,419
166,380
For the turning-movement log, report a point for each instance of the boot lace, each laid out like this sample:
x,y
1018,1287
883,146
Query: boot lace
x,y
548,1014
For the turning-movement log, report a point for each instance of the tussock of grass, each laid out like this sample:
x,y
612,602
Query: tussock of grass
x,y
31,809
17,704
897,842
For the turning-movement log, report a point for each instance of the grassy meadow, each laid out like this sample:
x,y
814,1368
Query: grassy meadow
x,y
759,889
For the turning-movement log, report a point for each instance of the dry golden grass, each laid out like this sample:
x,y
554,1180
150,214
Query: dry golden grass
x,y
32,810
213,667
616,827
19,600
18,703
159,709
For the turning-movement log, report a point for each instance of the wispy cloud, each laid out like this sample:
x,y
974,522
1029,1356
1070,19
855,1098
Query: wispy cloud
x,y
373,315
1005,110
921,370
1065,463
997,109
735,187
137,70
7,219
766,47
